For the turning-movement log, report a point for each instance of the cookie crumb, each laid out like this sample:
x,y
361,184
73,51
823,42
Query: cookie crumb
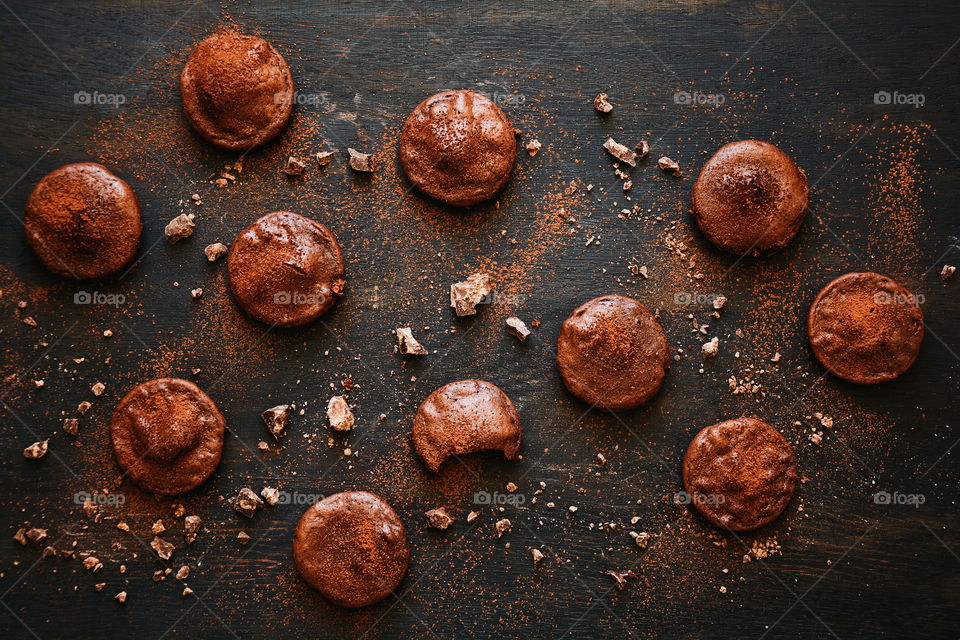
x,y
438,518
271,495
710,348
602,103
71,426
276,419
669,166
947,272
537,556
339,414
533,147
36,450
215,251
247,502
179,228
620,152
121,597
163,548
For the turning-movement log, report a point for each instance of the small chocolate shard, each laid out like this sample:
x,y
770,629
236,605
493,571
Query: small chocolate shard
x,y
407,344
121,597
947,272
620,152
503,526
276,419
642,149
669,166
339,414
163,548
466,295
243,537
36,450
517,328
183,573
537,556
71,426
83,407
602,103
472,517
533,147
362,162
271,495
325,157
215,251
295,167
36,535
438,518
247,502
158,528
179,228
620,578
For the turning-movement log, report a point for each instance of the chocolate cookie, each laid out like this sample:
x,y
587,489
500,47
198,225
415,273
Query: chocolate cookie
x,y
286,270
167,435
236,90
82,221
352,548
465,417
750,198
865,328
458,147
612,353
740,474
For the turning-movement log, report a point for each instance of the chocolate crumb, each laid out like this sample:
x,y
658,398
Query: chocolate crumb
x,y
98,388
83,407
20,536
710,348
121,597
187,591
123,526
89,508
158,528
668,165
533,147
183,573
271,495
620,152
472,516
247,502
294,167
537,556
502,527
602,103
407,344
71,426
466,295
947,272
179,228
517,328
620,578
36,450
243,537
276,419
719,302
325,157
642,149
92,563
339,414
163,548
642,539
215,251
363,162
438,518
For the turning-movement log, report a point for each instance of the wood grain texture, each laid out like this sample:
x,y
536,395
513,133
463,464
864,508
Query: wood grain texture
x,y
885,185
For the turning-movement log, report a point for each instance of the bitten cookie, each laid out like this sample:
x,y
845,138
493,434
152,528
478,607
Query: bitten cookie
x,y
612,353
167,436
236,91
865,328
352,548
82,221
286,270
458,147
750,198
740,474
465,417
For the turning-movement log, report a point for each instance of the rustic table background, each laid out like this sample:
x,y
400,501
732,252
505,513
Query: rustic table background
x,y
688,76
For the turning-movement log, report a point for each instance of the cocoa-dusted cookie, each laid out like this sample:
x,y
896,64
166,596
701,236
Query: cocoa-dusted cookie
x,y
82,221
740,474
612,353
865,328
286,270
750,198
458,147
352,548
465,417
236,90
167,435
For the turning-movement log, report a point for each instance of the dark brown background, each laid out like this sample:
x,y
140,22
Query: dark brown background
x,y
801,74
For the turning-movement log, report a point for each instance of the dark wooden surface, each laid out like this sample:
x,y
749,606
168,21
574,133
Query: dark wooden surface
x,y
800,74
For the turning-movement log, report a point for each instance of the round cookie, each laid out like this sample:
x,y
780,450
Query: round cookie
x,y
458,147
167,435
236,90
750,198
740,474
352,548
865,328
82,221
286,270
612,353
465,417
